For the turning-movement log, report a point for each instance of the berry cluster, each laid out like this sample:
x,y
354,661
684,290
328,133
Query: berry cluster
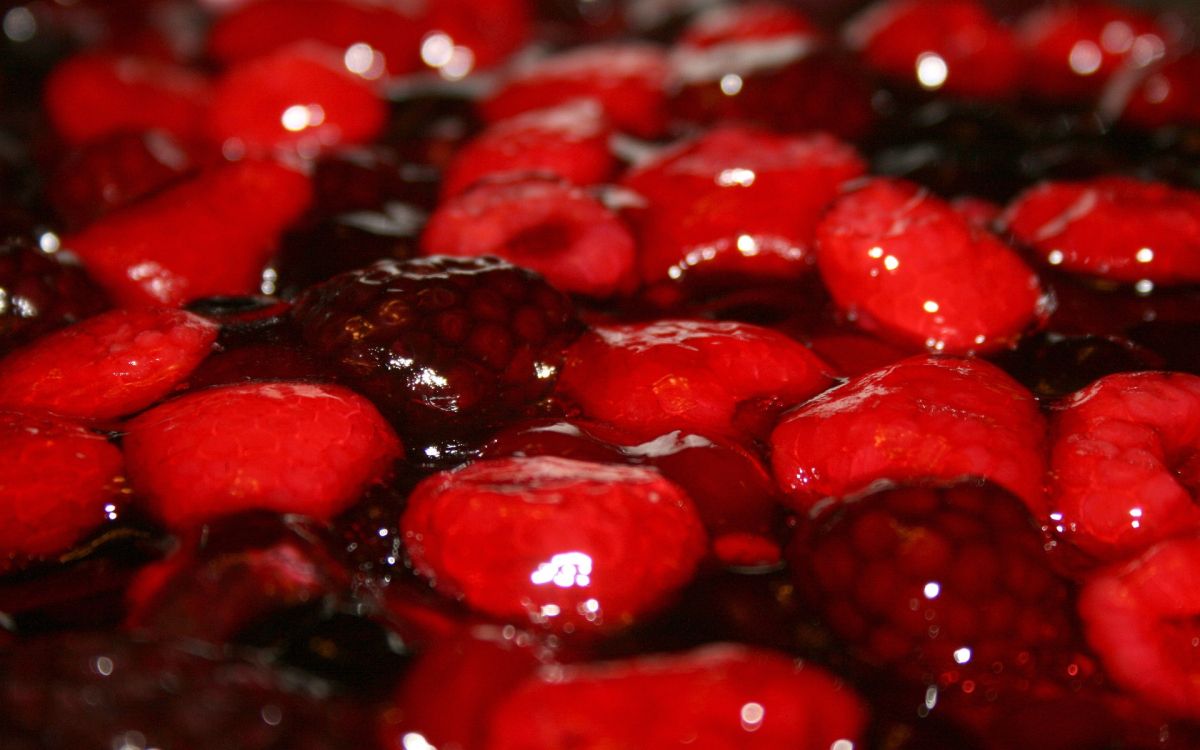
x,y
516,375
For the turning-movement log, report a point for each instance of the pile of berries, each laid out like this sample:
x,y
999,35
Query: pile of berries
x,y
599,374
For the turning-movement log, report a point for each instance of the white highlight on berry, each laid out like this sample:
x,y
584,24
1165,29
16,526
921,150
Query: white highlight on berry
x,y
415,741
301,116
1145,255
930,306
932,70
364,60
752,716
731,84
962,655
932,589
1055,257
1085,57
737,176
566,569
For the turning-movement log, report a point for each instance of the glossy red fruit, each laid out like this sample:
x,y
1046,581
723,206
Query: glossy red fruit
x,y
374,38
1166,94
107,366
230,576
590,547
628,80
448,693
719,697
114,171
941,585
548,226
569,141
96,94
446,346
301,98
462,36
1141,619
233,216
43,294
766,63
1118,228
904,264
57,482
285,446
1072,50
923,418
718,378
733,493
953,46
737,200
1123,463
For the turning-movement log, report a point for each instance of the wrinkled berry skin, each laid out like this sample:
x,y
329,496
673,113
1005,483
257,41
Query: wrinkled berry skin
x,y
442,345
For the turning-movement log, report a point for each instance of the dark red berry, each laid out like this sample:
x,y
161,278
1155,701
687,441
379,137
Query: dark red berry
x,y
441,344
41,293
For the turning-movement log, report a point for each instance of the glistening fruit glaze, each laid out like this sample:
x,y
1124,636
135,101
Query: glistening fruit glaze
x,y
599,375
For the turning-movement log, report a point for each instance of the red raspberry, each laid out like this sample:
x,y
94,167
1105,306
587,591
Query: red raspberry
x,y
737,200
713,378
373,37
923,418
1123,463
114,171
231,575
1072,50
942,586
767,64
569,141
588,546
233,215
734,495
299,97
450,689
105,367
288,447
96,94
1167,94
628,80
1141,619
720,697
1117,228
42,294
551,227
57,482
903,263
955,46
445,345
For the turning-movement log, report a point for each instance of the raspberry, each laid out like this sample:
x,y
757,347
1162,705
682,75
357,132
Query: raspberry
x,y
374,37
234,214
590,546
922,418
954,46
1143,233
108,366
767,64
231,575
287,447
548,226
1166,94
737,199
93,689
1071,51
115,171
1141,619
734,495
627,79
442,344
732,696
299,97
41,294
93,95
900,262
448,692
942,586
1123,463
569,141
713,378
57,482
